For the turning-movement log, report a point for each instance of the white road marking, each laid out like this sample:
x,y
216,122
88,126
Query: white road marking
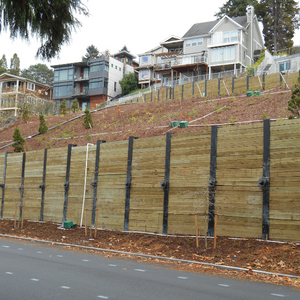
x,y
180,277
34,279
226,285
4,246
9,273
139,270
65,287
85,260
277,295
39,252
20,248
102,297
111,265
59,255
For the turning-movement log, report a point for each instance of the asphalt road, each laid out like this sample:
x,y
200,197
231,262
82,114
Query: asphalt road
x,y
31,271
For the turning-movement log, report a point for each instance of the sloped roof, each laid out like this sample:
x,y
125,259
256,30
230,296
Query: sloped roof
x,y
205,27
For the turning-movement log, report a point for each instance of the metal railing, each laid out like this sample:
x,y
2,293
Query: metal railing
x,y
225,41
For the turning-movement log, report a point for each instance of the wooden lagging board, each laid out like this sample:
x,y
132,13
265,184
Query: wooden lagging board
x,y
285,180
111,185
189,176
147,196
238,198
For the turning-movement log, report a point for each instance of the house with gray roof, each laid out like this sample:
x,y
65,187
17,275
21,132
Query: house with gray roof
x,y
206,48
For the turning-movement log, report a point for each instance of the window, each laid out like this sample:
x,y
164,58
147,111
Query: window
x,y
65,74
112,65
188,43
234,36
222,54
230,36
116,67
145,59
106,67
62,90
96,83
120,69
95,68
30,86
145,73
86,73
284,66
194,42
200,41
115,86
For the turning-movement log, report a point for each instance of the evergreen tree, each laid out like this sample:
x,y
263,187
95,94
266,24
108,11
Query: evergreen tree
x,y
15,65
50,21
18,144
129,83
124,49
3,64
25,114
43,128
294,102
91,52
88,119
235,8
280,19
63,107
75,105
40,73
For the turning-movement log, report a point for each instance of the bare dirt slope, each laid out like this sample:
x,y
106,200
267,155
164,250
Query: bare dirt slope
x,y
151,119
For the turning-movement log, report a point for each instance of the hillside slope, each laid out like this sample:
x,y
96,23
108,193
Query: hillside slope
x,y
151,119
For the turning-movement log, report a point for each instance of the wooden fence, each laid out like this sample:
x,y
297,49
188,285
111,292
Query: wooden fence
x,y
249,175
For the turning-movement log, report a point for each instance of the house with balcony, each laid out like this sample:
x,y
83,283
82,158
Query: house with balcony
x,y
128,60
91,82
16,91
207,48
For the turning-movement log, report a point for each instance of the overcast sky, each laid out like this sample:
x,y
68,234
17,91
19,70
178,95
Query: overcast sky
x,y
140,25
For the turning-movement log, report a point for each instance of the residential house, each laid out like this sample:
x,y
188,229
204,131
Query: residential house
x,y
146,68
207,48
92,82
16,90
128,60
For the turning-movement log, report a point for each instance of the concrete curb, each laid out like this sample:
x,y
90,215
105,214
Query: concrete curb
x,y
150,256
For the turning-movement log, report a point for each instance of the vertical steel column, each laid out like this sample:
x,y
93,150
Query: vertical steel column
x,y
193,88
167,92
128,182
182,91
219,86
232,90
158,95
248,83
43,186
3,184
205,87
144,97
212,180
172,92
166,183
265,181
151,96
21,188
66,184
264,81
94,184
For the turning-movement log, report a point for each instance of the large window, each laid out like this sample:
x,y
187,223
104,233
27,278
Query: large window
x,y
62,90
222,54
98,83
97,67
145,59
145,73
63,74
194,42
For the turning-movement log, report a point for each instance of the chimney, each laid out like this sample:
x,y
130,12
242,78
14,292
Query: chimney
x,y
250,13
